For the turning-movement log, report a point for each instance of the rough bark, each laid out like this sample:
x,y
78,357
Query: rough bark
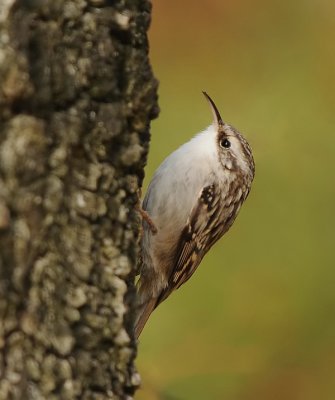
x,y
76,98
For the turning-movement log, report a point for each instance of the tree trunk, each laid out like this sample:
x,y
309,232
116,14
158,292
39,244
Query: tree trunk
x,y
76,97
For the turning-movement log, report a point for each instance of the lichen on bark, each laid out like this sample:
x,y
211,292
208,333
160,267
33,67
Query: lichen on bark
x,y
77,95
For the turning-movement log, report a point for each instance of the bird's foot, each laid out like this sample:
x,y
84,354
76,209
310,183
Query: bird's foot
x,y
145,216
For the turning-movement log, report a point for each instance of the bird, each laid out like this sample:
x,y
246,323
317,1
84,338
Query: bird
x,y
191,202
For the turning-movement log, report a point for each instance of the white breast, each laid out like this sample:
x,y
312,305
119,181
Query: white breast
x,y
175,188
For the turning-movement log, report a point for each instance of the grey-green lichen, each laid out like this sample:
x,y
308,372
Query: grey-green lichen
x,y
76,97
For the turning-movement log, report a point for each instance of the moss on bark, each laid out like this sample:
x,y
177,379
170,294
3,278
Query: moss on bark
x,y
76,98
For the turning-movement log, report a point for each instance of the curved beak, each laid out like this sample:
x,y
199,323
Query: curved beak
x,y
217,117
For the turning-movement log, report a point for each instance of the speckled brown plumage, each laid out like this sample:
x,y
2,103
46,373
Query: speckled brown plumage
x,y
193,200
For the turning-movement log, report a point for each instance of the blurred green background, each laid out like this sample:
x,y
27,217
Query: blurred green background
x,y
257,320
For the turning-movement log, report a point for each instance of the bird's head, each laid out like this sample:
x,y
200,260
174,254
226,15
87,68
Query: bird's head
x,y
234,152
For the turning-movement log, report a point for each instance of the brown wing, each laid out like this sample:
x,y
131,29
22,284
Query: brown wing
x,y
204,227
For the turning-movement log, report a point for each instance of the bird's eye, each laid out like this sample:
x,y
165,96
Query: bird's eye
x,y
225,143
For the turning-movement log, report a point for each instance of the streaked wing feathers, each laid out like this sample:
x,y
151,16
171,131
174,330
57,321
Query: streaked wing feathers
x,y
202,230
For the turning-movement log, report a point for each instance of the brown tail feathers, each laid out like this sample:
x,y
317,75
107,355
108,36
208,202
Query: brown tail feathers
x,y
143,314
